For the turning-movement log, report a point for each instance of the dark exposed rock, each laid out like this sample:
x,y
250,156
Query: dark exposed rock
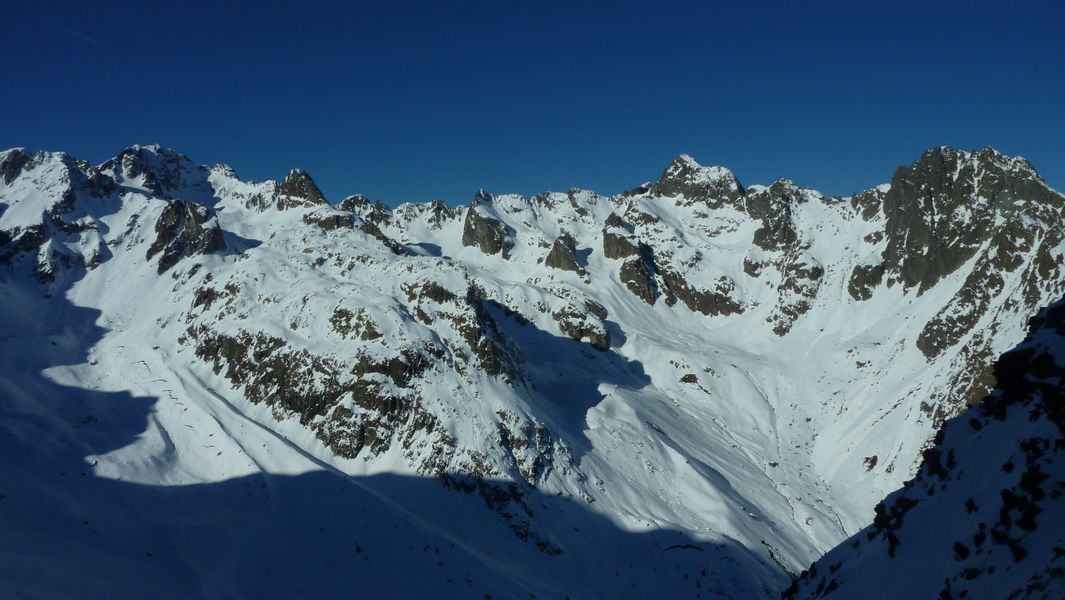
x,y
596,309
470,315
752,267
773,206
868,203
797,290
637,273
373,212
863,279
184,229
985,282
529,444
298,189
487,233
330,221
435,213
711,303
100,184
578,326
371,229
618,241
162,171
684,177
563,254
12,164
268,371
354,324
943,207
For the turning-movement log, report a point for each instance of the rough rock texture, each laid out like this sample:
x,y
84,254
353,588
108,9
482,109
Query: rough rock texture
x,y
485,232
617,238
298,189
184,230
638,274
944,207
563,254
712,186
12,163
773,206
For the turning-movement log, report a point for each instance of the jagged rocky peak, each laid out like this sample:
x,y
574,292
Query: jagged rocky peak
x,y
435,211
941,209
159,170
354,203
774,206
484,230
687,178
372,211
298,189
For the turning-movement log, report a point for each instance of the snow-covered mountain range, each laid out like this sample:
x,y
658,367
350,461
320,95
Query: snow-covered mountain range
x,y
222,388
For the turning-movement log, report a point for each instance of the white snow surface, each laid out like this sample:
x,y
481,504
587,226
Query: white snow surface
x,y
127,461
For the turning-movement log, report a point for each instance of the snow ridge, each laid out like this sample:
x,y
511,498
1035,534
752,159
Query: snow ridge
x,y
751,368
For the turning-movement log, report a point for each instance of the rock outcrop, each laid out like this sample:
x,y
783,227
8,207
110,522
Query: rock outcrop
x,y
563,254
298,189
485,232
184,230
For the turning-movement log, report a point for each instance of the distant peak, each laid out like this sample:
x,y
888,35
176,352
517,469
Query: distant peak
x,y
951,162
481,196
298,184
684,159
686,177
140,149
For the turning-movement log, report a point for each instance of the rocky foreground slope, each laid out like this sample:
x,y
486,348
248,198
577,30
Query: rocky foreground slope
x,y
748,369
983,516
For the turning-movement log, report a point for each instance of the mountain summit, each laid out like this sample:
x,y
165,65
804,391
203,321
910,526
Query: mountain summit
x,y
694,388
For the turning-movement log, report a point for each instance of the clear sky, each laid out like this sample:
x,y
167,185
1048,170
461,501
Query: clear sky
x,y
412,101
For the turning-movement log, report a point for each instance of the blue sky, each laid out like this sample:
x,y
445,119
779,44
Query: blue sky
x,y
412,101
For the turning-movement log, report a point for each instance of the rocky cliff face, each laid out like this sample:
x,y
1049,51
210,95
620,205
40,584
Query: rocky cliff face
x,y
753,365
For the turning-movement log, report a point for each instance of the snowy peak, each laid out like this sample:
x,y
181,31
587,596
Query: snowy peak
x,y
755,367
159,171
298,189
948,204
687,178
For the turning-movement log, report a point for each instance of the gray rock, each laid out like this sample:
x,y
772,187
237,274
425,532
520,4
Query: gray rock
x,y
184,229
637,273
12,164
712,186
563,254
618,241
926,238
298,189
488,234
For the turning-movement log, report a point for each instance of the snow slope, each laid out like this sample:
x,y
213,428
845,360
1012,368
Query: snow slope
x,y
693,387
982,517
